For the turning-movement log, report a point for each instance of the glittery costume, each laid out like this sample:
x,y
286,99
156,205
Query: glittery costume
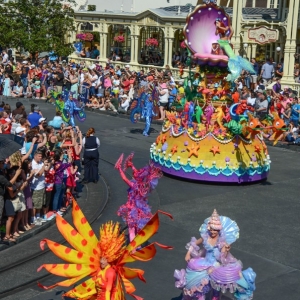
x,y
236,64
69,109
211,267
111,282
144,106
136,212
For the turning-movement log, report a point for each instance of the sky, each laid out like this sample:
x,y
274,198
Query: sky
x,y
139,5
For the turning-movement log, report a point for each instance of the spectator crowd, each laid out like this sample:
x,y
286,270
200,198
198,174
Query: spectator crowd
x,y
37,182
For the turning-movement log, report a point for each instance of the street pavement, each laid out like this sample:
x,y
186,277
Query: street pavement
x,y
267,214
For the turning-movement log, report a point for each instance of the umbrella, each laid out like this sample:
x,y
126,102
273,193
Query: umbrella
x,y
7,146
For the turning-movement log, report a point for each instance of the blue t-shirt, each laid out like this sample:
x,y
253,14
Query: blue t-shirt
x,y
295,114
27,147
173,92
34,119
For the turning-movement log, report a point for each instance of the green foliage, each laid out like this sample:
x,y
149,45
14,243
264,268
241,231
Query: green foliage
x,y
91,8
37,25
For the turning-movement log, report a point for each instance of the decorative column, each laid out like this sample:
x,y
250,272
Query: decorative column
x,y
137,50
132,49
254,48
166,56
171,41
290,44
236,20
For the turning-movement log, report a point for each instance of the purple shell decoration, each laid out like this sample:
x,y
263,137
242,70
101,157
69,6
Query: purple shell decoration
x,y
186,143
253,158
201,23
227,159
164,147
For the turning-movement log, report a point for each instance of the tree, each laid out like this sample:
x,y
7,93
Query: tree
x,y
37,25
91,8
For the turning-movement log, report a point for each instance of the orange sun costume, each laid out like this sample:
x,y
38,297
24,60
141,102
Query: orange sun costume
x,y
111,282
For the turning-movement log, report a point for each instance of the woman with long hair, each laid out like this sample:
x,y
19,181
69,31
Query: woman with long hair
x,y
91,156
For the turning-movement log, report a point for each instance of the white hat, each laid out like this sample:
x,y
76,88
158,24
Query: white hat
x,y
123,96
32,66
19,129
42,119
127,66
25,62
92,67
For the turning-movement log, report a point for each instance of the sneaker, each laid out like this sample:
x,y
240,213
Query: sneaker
x,y
37,221
102,108
43,219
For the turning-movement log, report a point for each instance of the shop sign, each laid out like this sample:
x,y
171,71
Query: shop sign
x,y
262,35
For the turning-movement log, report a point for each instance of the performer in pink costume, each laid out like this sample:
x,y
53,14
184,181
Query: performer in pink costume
x,y
136,212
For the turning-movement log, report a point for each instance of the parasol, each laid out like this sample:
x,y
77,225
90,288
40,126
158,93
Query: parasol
x,y
7,146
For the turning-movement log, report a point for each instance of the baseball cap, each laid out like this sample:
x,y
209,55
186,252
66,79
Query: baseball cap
x,y
19,129
42,120
36,108
19,104
260,91
127,66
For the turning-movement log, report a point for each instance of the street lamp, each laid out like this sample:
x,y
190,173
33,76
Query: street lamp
x,y
246,45
278,49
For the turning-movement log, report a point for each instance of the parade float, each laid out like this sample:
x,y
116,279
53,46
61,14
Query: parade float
x,y
211,138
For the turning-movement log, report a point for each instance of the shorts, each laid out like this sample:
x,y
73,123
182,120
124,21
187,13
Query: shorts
x,y
163,104
253,78
9,208
38,198
48,198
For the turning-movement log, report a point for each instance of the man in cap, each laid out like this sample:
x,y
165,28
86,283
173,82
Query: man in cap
x,y
42,123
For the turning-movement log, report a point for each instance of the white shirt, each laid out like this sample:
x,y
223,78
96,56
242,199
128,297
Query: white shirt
x,y
37,183
5,59
125,104
94,80
165,97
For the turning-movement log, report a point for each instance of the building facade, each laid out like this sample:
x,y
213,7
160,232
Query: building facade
x,y
262,28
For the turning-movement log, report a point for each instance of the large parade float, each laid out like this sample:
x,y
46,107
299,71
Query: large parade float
x,y
211,138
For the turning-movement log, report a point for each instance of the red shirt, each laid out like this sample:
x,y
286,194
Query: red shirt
x,y
7,125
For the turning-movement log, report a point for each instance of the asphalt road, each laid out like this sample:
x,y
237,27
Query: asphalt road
x,y
267,214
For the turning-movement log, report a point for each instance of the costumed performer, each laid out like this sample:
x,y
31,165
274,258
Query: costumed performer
x,y
236,64
213,266
70,107
136,212
102,260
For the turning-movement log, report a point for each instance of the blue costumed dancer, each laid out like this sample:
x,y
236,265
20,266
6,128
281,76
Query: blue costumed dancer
x,y
143,106
214,267
69,108
236,64
148,113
